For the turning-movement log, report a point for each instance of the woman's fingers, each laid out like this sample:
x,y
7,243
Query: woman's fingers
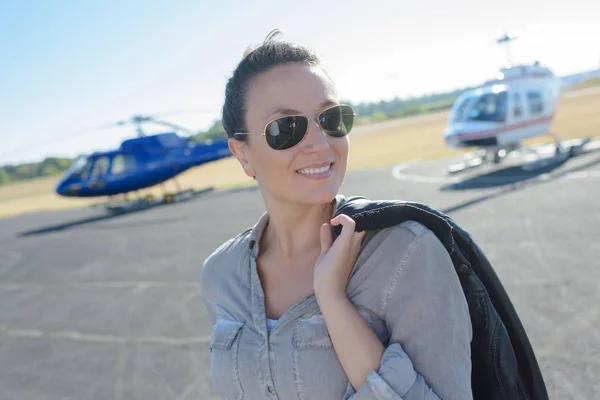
x,y
337,258
348,225
349,239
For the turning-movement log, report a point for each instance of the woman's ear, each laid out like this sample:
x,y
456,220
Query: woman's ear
x,y
242,152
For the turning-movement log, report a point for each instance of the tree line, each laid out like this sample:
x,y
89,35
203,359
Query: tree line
x,y
367,112
371,112
48,167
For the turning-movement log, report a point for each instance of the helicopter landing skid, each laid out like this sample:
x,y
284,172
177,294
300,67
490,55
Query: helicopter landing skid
x,y
150,201
560,152
534,158
477,159
540,161
465,165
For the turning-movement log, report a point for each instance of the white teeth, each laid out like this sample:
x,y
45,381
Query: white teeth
x,y
311,171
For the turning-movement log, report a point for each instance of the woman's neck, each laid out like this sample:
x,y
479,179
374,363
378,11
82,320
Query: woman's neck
x,y
294,230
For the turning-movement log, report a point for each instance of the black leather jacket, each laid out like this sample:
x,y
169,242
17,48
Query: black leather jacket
x,y
504,363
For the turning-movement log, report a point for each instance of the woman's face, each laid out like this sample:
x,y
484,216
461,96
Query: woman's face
x,y
282,174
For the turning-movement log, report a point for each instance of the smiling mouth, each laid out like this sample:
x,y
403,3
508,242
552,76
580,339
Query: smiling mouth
x,y
315,171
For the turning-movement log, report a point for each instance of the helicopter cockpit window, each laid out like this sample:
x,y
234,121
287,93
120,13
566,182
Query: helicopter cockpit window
x,y
459,113
100,168
79,169
489,107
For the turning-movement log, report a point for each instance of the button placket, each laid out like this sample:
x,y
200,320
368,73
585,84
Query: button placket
x,y
260,319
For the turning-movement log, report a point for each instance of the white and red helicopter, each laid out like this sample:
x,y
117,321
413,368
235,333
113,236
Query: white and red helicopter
x,y
519,104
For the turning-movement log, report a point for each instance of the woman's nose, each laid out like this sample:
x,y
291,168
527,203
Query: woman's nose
x,y
316,138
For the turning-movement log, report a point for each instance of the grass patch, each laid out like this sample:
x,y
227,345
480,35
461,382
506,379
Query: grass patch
x,y
593,82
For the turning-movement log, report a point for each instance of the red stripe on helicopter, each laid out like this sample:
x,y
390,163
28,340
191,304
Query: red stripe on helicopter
x,y
493,132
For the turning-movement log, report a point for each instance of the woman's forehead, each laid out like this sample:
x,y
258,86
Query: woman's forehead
x,y
290,89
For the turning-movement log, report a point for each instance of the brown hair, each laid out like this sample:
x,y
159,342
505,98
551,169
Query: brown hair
x,y
256,61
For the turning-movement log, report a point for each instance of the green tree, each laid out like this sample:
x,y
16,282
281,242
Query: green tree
x,y
24,171
4,177
215,132
378,116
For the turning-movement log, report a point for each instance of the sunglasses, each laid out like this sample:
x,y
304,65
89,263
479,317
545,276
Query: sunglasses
x,y
286,132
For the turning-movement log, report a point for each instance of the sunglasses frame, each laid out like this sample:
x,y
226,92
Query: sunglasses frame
x,y
308,116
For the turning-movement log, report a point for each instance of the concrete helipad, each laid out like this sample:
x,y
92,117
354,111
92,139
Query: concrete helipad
x,y
516,167
94,306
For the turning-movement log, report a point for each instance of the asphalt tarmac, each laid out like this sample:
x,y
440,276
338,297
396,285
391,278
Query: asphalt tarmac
x,y
98,306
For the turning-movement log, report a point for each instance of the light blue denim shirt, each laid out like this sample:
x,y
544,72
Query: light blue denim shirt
x,y
403,284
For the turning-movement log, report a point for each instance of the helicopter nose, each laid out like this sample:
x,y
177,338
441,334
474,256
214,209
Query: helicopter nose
x,y
451,138
60,189
67,189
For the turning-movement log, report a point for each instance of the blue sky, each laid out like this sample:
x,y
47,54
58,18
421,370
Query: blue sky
x,y
68,65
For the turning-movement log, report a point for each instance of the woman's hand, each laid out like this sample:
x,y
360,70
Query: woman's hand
x,y
356,344
336,260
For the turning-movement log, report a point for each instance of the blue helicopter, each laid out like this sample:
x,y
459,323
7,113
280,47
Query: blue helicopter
x,y
140,162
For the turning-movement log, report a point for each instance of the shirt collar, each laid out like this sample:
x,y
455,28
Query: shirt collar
x,y
258,228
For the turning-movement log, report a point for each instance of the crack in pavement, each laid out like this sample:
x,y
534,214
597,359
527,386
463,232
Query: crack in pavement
x,y
100,338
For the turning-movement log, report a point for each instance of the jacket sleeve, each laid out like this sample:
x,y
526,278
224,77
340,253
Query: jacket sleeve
x,y
429,354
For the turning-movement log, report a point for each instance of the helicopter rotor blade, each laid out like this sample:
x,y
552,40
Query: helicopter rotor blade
x,y
170,125
135,120
55,139
176,113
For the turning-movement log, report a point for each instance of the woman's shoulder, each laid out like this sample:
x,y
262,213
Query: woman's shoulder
x,y
226,255
406,235
231,247
399,263
405,248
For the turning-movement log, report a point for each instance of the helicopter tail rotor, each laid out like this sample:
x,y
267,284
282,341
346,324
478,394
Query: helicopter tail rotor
x,y
139,120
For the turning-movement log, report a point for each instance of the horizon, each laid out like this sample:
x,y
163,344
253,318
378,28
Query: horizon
x,y
77,66
165,130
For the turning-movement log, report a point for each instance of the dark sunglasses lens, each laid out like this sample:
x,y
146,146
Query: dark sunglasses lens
x,y
286,132
337,121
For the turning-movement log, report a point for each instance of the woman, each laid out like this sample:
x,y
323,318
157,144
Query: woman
x,y
375,315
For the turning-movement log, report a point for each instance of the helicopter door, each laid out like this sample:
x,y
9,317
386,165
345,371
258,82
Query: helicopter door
x,y
536,103
98,174
517,108
117,167
122,164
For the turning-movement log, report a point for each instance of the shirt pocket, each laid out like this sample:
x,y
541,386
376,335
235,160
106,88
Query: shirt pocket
x,y
224,360
318,373
312,332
